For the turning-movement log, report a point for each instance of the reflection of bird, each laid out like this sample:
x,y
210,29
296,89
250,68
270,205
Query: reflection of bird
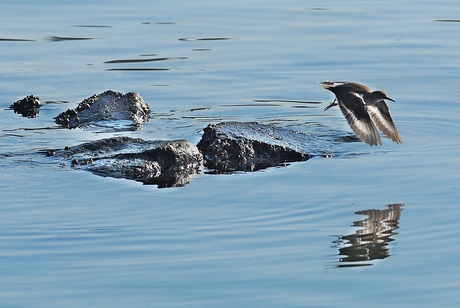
x,y
364,110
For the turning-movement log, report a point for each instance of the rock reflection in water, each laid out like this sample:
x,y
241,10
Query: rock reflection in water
x,y
371,242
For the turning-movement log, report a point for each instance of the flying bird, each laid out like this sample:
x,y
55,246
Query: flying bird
x,y
365,110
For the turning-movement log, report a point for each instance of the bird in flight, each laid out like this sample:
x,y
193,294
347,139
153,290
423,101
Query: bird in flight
x,y
365,110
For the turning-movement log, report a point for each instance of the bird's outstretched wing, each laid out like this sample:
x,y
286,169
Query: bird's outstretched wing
x,y
380,114
345,86
354,109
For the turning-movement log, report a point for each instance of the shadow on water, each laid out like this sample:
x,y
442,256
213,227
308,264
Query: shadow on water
x,y
4,39
49,39
144,60
141,60
91,26
159,23
61,38
191,39
370,242
446,20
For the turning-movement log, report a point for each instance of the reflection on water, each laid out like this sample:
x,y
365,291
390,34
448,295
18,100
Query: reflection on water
x,y
370,242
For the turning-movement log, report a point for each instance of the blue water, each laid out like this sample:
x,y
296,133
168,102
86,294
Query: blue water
x,y
263,239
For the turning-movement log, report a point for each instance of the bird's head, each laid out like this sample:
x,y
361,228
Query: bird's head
x,y
379,95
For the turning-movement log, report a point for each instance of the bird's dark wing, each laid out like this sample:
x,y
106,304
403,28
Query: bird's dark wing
x,y
342,86
353,108
380,114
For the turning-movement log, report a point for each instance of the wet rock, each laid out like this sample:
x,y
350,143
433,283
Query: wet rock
x,y
237,146
28,106
164,163
106,107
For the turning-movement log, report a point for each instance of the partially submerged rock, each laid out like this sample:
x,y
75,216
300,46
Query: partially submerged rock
x,y
165,163
28,107
106,107
242,146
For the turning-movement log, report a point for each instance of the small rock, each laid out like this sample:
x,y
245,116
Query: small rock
x,y
165,163
106,107
28,107
243,146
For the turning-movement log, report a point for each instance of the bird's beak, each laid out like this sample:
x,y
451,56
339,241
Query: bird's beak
x,y
386,97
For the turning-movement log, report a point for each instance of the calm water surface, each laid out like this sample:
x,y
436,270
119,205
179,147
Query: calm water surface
x,y
370,226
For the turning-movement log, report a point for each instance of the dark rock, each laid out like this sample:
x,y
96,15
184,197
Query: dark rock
x,y
164,163
28,106
106,107
50,152
236,146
